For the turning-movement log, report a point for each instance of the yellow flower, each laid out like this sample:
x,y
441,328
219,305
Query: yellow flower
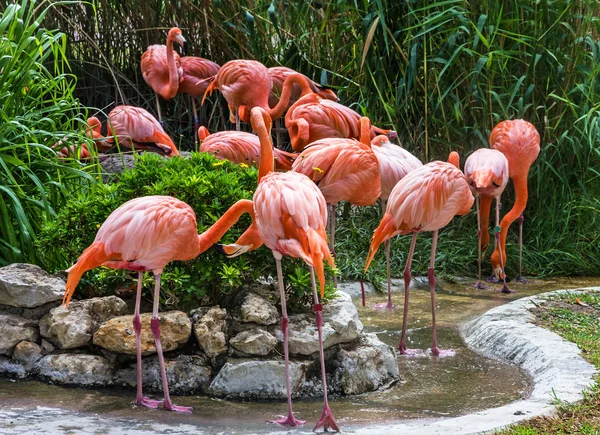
x,y
221,163
243,165
318,170
97,225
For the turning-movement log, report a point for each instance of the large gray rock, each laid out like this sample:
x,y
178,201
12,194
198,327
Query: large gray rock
x,y
35,313
15,329
369,366
256,309
115,164
27,285
263,379
73,327
254,342
117,335
187,374
27,353
11,368
341,325
76,369
211,332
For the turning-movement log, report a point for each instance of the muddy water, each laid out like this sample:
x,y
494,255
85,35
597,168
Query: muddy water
x,y
430,387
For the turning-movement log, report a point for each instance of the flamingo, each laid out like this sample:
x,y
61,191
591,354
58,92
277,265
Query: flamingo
x,y
426,199
278,75
519,141
240,147
290,218
142,235
344,170
195,71
161,68
93,131
486,172
394,163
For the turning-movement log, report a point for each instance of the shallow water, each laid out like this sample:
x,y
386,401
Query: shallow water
x,y
430,387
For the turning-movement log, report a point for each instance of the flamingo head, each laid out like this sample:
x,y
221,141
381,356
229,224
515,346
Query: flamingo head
x,y
176,36
380,140
256,114
244,114
299,131
203,133
454,159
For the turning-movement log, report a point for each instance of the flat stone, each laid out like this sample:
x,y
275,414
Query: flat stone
x,y
73,327
14,330
47,346
117,335
12,369
187,374
76,369
28,285
254,342
35,313
211,332
27,353
256,309
263,379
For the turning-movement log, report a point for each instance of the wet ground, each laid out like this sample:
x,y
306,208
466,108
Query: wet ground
x,y
430,387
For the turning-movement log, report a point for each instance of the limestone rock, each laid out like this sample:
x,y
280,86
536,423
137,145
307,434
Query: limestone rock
x,y
256,309
15,329
47,346
367,367
117,335
73,327
27,285
12,369
353,288
27,353
115,164
187,374
254,342
263,379
76,369
211,332
35,313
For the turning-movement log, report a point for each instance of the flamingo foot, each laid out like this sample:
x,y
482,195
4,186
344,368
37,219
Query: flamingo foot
x,y
521,279
480,286
290,420
384,306
408,352
327,420
176,408
492,278
148,403
435,351
505,289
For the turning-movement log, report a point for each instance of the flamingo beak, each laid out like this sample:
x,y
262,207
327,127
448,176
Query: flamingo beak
x,y
233,250
180,39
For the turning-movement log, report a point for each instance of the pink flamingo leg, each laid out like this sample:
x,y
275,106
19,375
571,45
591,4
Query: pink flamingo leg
x,y
290,420
402,346
386,305
158,110
332,238
478,285
196,120
521,278
155,327
431,278
137,327
327,419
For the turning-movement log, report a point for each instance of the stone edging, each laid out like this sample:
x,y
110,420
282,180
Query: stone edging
x,y
507,332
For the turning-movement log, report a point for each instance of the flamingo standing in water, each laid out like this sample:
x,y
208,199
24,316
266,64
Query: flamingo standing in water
x,y
143,235
519,141
486,171
240,147
425,200
161,68
290,218
394,163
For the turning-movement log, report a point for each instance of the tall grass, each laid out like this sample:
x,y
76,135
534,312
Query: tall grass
x,y
441,73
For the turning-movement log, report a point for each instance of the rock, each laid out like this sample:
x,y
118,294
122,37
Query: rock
x,y
187,374
12,369
14,330
27,353
76,369
256,309
35,313
115,164
353,288
47,346
27,285
341,325
369,366
117,335
254,342
211,332
75,326
263,379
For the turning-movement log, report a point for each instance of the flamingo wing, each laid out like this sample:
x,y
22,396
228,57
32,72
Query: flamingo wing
x,y
237,147
196,71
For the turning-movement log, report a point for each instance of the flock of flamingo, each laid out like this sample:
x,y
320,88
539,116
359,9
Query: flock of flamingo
x,y
339,156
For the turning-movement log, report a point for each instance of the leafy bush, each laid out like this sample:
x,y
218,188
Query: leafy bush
x,y
210,187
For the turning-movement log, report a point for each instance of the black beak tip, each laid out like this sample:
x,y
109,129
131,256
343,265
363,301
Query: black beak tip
x,y
219,248
184,48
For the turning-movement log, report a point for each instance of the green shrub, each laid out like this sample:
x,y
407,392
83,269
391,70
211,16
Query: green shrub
x,y
210,187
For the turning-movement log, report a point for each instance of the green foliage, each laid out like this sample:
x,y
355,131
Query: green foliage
x,y
210,187
37,109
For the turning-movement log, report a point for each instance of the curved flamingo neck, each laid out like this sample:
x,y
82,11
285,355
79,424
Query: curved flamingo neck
x,y
365,130
220,227
266,149
454,159
286,93
173,84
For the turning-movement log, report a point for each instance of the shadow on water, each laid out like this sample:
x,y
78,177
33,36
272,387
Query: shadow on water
x,y
430,387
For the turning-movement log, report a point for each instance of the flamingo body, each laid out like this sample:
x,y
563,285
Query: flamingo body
x,y
394,163
194,72
155,70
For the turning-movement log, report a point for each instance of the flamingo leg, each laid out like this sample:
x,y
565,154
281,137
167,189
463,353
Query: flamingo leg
x,y
520,278
196,120
290,420
386,305
505,288
137,327
431,278
478,284
155,327
237,119
278,133
402,346
158,110
332,238
327,419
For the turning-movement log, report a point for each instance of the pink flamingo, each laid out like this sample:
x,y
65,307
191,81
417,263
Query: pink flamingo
x,y
426,199
195,71
278,75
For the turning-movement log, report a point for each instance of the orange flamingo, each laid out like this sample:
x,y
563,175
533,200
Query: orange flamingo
x,y
278,75
394,163
425,200
519,141
161,68
248,83
93,131
312,118
195,71
291,215
142,235
240,147
137,129
486,172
